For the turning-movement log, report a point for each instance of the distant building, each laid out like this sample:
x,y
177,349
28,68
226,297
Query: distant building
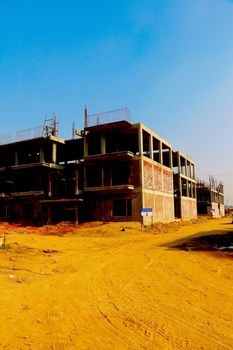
x,y
184,186
210,198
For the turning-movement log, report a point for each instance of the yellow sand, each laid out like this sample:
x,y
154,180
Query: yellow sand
x,y
102,288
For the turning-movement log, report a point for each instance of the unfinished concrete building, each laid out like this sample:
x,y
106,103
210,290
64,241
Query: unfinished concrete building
x,y
127,167
109,172
184,186
210,198
32,180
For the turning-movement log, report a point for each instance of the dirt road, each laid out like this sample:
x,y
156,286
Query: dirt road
x,y
103,288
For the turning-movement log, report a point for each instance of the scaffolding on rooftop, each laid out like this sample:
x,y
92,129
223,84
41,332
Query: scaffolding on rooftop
x,y
49,128
107,117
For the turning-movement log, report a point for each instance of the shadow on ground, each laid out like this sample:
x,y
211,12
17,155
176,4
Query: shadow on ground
x,y
213,241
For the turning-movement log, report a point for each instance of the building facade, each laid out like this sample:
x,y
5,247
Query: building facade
x,y
109,173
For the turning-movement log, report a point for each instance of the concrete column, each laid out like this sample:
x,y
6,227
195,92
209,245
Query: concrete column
x,y
170,158
179,172
103,144
16,157
151,147
178,162
194,175
49,185
140,140
186,170
102,175
160,152
187,190
192,189
54,153
49,215
76,182
85,175
85,146
42,155
76,214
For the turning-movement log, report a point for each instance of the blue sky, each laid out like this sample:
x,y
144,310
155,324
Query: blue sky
x,y
169,61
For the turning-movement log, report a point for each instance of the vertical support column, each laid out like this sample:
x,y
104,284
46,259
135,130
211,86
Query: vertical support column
x,y
16,157
85,146
160,152
151,147
140,140
194,175
50,185
76,182
187,190
192,189
102,175
103,144
49,215
140,150
180,184
186,167
85,154
54,153
170,158
42,155
76,214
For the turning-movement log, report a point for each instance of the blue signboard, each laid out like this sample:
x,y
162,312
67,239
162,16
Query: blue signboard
x,y
146,212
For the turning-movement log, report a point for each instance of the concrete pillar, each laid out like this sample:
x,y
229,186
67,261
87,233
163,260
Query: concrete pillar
x,y
102,175
187,190
50,185
103,144
151,147
76,214
170,158
186,167
160,152
178,162
42,155
54,153
194,175
140,140
16,157
85,146
76,182
179,172
49,215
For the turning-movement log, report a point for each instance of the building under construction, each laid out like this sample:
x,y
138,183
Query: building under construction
x,y
109,172
210,198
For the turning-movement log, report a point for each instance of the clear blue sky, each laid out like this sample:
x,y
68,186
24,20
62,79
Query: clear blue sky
x,y
169,61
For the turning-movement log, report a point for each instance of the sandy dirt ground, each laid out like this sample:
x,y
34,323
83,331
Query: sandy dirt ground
x,y
103,288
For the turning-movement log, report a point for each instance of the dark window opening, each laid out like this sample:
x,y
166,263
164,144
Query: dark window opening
x,y
146,150
93,176
121,207
156,144
175,164
28,211
166,155
121,174
94,145
184,188
182,166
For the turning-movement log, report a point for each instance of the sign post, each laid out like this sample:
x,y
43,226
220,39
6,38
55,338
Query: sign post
x,y
146,212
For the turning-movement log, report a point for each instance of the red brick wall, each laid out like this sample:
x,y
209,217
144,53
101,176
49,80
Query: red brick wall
x,y
167,181
158,184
